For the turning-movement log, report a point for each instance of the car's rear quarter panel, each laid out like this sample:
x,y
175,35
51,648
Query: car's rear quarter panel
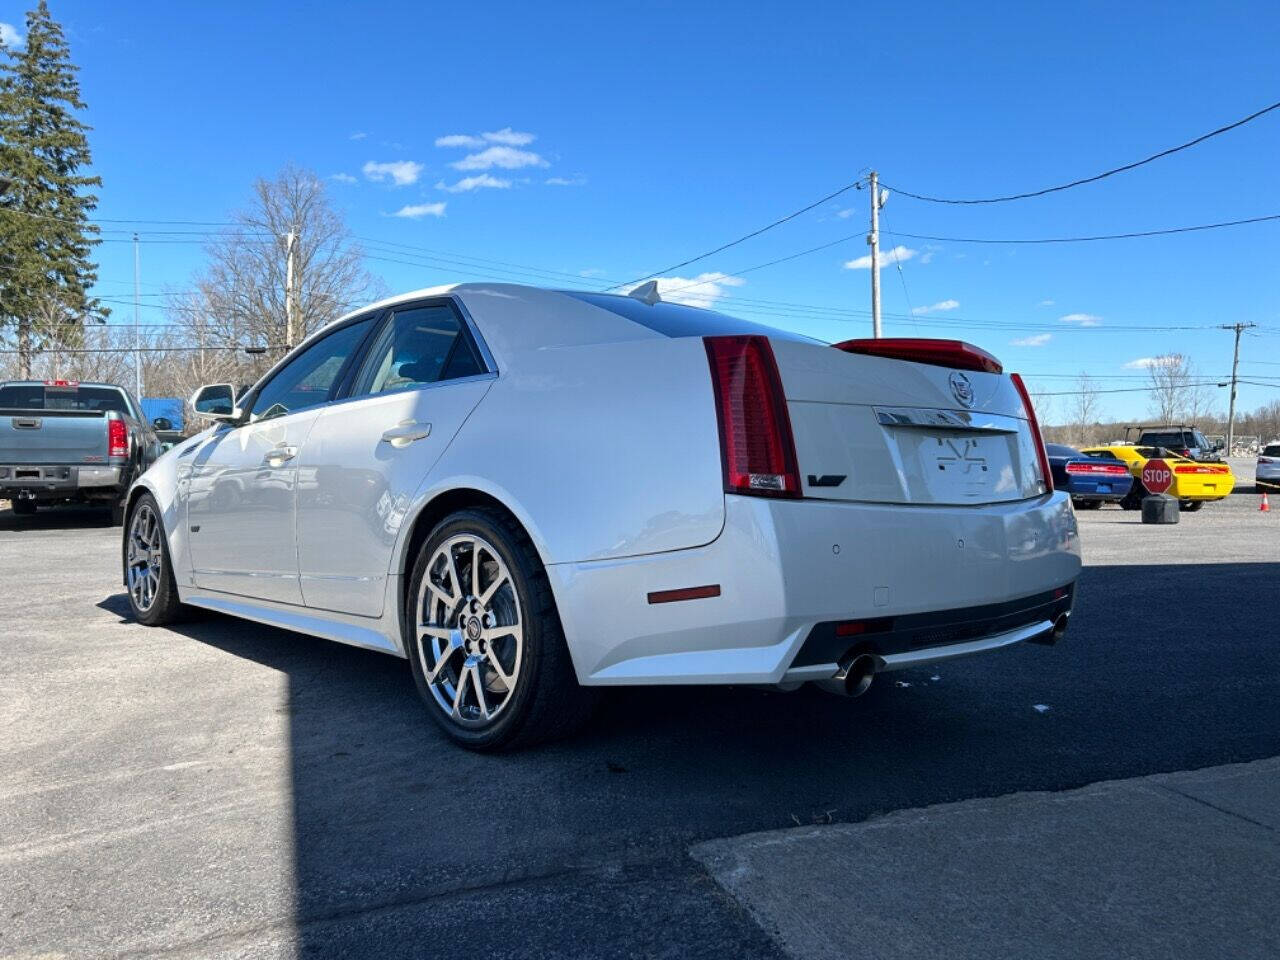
x,y
603,450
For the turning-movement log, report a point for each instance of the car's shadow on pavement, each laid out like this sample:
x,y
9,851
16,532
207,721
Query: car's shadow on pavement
x,y
385,808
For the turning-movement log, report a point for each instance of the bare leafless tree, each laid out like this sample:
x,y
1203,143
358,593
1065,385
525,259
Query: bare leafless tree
x,y
1169,376
1083,409
240,297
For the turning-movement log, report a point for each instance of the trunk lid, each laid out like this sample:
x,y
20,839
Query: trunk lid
x,y
884,430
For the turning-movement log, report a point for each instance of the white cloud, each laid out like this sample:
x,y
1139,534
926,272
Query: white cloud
x,y
700,291
506,137
1146,363
1081,319
1045,303
512,138
10,37
1038,340
415,211
459,140
474,183
942,306
342,177
508,158
399,172
927,257
898,254
565,181
846,213
358,135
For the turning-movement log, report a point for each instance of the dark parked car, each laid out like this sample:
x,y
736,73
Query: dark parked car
x,y
1091,481
64,440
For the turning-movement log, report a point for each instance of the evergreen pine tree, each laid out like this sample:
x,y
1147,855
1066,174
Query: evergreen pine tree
x,y
45,234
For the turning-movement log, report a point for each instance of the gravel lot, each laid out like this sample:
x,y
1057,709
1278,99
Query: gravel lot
x,y
224,789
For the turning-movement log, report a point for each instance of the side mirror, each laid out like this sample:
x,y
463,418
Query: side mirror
x,y
215,401
162,423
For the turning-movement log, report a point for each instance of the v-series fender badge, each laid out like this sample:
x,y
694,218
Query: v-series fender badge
x,y
826,480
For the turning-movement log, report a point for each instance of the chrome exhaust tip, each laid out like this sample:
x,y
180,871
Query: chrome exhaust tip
x,y
853,680
1054,633
1060,627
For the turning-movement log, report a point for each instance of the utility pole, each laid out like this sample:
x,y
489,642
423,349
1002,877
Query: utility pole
x,y
1239,328
137,341
290,243
873,240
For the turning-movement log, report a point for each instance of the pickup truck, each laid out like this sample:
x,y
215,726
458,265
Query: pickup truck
x,y
1183,439
64,440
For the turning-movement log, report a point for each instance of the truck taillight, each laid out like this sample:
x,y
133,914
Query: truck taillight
x,y
757,448
117,439
1046,474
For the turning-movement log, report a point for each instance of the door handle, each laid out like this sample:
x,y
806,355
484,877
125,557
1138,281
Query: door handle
x,y
280,455
405,432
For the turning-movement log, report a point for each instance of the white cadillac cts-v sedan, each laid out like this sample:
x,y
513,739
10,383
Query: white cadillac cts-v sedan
x,y
528,493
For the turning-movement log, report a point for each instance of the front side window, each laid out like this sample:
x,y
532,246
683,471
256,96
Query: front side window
x,y
417,346
309,379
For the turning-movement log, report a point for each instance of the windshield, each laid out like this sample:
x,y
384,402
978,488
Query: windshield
x,y
38,396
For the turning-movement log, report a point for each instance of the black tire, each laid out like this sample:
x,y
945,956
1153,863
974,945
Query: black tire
x,y
1191,506
1133,499
544,701
164,606
23,508
1088,504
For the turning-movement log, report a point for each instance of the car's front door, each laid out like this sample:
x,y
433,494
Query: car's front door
x,y
241,503
368,454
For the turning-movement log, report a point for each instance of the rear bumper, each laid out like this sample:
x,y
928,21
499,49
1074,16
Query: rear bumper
x,y
785,568
46,482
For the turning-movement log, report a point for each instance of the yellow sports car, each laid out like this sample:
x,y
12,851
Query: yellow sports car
x,y
1194,483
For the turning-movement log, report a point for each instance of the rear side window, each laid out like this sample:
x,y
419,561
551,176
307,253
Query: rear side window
x,y
417,346
678,320
36,396
1271,450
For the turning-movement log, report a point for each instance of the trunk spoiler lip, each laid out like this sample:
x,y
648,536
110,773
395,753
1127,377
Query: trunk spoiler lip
x,y
957,354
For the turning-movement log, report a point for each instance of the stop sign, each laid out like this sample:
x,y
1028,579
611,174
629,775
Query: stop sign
x,y
1157,476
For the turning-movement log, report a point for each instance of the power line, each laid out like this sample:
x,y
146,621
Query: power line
x,y
1098,176
1107,236
733,243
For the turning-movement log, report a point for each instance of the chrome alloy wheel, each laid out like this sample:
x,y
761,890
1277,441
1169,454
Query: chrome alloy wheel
x,y
470,638
144,556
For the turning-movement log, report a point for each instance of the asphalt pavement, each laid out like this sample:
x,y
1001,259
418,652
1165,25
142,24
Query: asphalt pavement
x,y
225,789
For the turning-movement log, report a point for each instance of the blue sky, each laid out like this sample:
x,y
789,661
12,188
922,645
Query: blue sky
x,y
661,131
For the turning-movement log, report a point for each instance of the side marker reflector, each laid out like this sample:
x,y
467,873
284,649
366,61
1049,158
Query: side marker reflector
x,y
686,593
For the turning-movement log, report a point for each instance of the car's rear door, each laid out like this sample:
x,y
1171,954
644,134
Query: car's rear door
x,y
369,453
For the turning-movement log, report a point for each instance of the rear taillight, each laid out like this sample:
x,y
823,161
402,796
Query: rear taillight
x,y
1200,469
1046,476
756,446
117,439
1110,469
1262,460
940,353
1186,452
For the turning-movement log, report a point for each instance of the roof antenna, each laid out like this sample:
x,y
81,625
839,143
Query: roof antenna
x,y
646,293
